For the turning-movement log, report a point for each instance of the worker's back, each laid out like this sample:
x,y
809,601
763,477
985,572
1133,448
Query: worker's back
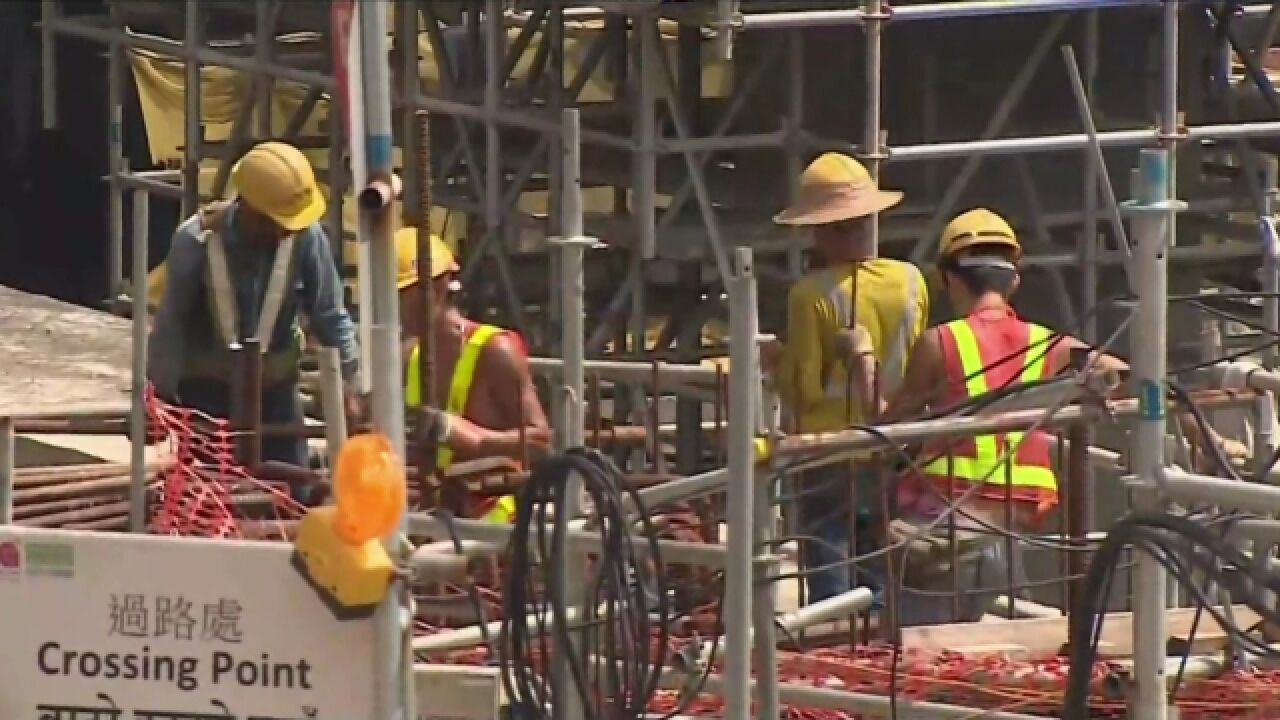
x,y
891,303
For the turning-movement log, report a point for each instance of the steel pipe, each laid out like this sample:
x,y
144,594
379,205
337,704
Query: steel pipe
x,y
193,121
49,19
854,602
331,395
115,163
933,11
629,371
740,515
585,541
1054,143
1192,488
138,364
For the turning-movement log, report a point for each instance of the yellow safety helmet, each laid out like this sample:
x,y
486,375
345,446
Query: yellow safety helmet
x,y
979,226
834,188
277,180
406,239
442,259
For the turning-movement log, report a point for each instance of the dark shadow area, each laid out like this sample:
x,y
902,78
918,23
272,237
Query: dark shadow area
x,y
53,199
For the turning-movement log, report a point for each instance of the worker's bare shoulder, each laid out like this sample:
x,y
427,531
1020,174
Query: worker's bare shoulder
x,y
929,347
504,355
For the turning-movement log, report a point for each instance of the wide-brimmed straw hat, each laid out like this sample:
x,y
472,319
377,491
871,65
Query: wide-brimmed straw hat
x,y
834,188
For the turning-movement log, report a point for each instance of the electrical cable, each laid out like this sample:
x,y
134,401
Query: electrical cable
x,y
617,654
1179,543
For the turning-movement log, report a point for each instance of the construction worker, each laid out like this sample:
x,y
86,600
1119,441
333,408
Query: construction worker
x,y
488,403
854,299
244,269
988,348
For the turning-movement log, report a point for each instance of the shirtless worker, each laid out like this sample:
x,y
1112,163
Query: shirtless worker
x,y
482,375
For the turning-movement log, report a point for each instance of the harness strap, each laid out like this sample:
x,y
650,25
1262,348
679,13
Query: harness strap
x,y
225,308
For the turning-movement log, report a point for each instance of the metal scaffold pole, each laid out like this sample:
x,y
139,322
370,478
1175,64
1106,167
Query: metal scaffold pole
x,y
115,162
393,698
1155,209
570,431
741,491
192,115
873,20
138,385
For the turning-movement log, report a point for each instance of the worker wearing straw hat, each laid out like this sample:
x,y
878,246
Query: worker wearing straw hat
x,y
244,269
879,303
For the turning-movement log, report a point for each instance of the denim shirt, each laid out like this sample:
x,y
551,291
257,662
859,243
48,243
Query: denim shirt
x,y
184,324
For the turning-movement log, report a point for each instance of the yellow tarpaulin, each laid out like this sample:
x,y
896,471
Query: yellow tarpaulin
x,y
161,90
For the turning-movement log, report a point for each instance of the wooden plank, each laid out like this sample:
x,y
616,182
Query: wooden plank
x,y
1044,637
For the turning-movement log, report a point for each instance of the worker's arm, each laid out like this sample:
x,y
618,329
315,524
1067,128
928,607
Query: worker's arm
x,y
1097,359
853,345
322,295
923,378
799,375
1186,420
505,366
470,441
166,347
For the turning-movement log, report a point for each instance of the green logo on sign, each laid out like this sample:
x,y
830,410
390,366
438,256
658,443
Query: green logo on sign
x,y
50,559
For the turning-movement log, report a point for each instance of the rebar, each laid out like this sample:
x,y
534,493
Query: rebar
x,y
426,282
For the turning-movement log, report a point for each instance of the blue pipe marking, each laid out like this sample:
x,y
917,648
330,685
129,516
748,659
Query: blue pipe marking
x,y
1151,400
1154,167
377,151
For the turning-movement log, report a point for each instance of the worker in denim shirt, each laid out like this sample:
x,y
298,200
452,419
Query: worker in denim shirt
x,y
243,269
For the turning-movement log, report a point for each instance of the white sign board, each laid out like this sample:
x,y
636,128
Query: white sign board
x,y
117,627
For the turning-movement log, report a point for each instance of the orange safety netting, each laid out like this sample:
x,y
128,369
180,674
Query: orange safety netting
x,y
205,492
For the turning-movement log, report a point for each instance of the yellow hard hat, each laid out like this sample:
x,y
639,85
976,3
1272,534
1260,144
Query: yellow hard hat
x,y
442,259
833,188
979,226
277,180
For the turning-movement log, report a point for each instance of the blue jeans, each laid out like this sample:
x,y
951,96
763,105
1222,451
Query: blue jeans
x,y
281,405
825,515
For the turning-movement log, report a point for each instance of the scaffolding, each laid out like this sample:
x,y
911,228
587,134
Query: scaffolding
x,y
519,147
668,209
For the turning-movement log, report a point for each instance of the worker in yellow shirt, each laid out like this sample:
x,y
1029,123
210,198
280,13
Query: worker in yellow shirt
x,y
488,403
853,295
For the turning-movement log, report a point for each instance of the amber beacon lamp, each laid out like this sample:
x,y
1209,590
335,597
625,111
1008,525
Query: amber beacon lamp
x,y
339,547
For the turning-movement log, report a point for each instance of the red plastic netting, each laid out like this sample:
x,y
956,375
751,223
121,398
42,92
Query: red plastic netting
x,y
205,492
985,682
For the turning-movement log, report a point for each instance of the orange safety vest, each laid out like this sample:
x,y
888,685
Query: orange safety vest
x,y
969,346
496,510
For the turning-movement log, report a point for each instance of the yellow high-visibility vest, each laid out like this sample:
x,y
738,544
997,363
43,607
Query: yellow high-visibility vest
x,y
464,374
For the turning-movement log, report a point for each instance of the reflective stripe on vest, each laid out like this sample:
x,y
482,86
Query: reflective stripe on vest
x,y
225,311
464,374
987,465
898,342
501,510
